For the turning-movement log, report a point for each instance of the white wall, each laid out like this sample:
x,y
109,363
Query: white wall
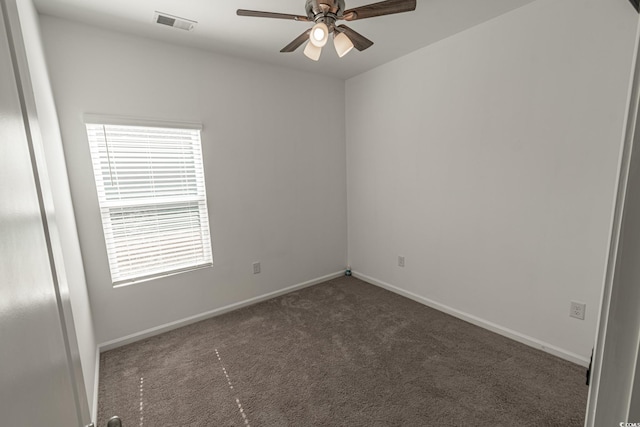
x,y
71,266
489,160
274,154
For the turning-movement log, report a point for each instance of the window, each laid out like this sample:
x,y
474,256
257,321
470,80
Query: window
x,y
151,191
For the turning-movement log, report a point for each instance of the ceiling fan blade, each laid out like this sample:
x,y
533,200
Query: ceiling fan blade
x,y
382,8
258,14
297,42
359,41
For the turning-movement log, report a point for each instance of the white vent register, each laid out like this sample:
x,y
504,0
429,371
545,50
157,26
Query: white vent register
x,y
151,192
174,21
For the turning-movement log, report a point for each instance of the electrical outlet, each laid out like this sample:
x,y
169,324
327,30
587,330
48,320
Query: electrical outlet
x,y
256,267
577,310
400,261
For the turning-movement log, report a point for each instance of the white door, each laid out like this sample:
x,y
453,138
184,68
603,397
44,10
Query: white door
x,y
36,377
614,395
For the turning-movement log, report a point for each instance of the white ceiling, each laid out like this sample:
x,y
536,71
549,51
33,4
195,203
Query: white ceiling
x,y
220,30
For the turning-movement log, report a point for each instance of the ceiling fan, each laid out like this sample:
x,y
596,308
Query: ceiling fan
x,y
325,14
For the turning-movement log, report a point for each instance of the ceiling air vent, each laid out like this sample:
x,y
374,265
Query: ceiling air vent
x,y
174,21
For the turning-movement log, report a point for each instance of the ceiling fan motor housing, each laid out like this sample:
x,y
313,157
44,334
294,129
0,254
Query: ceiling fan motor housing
x,y
326,11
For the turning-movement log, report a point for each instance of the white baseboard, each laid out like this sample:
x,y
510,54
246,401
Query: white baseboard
x,y
509,333
138,336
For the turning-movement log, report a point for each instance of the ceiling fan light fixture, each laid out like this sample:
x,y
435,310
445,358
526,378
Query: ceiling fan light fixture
x,y
319,34
312,51
342,43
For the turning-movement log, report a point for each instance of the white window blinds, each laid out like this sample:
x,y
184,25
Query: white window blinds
x,y
151,190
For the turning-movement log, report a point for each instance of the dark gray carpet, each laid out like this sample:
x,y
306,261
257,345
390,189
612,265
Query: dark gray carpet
x,y
342,353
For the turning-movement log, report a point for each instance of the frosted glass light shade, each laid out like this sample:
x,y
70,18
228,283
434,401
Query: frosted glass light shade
x,y
342,44
312,51
319,34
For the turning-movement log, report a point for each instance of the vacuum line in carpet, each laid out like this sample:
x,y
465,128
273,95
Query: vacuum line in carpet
x,y
244,416
141,401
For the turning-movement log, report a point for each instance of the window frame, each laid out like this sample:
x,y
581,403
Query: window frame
x,y
106,218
